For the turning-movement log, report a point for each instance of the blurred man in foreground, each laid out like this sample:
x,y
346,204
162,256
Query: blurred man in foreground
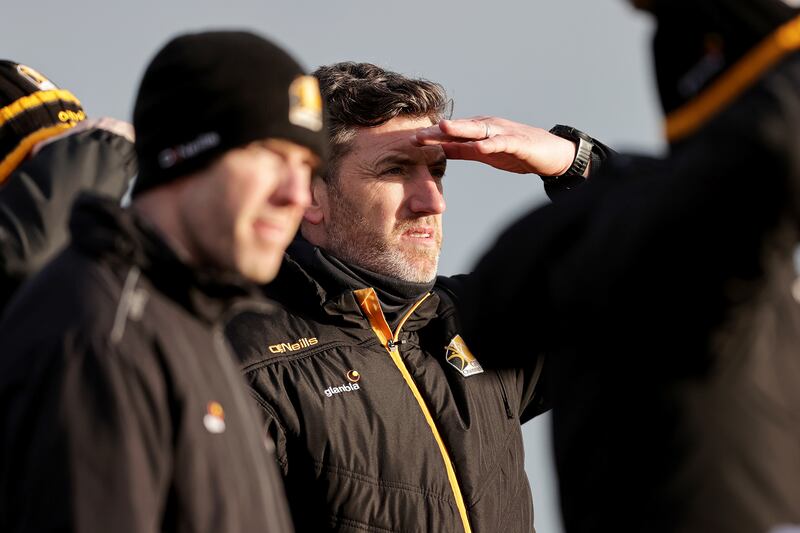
x,y
122,409
664,288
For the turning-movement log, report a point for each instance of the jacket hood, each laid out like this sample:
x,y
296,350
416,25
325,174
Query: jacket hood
x,y
698,40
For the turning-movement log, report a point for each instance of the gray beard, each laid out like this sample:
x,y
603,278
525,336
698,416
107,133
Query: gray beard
x,y
351,240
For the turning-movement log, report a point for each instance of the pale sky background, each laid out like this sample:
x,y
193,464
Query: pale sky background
x,y
579,62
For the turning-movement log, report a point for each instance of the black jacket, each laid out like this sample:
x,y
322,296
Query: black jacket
x,y
344,404
664,290
121,407
36,199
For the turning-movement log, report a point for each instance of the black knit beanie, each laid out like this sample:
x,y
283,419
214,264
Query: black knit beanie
x,y
206,93
698,40
32,109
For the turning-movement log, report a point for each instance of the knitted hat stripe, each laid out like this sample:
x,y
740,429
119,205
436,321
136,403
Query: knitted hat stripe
x,y
34,100
13,159
49,114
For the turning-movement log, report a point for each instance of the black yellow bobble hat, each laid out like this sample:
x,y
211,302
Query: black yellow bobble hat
x,y
32,109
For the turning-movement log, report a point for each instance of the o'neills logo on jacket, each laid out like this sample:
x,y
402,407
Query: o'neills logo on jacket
x,y
293,346
350,387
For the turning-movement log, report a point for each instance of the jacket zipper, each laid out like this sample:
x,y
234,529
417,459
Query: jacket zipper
x,y
369,303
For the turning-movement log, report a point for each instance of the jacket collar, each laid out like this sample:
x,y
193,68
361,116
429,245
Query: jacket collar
x,y
102,229
310,282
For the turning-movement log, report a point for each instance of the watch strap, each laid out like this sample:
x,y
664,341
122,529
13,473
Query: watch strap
x,y
583,153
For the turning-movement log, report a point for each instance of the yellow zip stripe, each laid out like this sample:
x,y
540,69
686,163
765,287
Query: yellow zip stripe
x,y
687,119
369,303
18,154
448,463
34,100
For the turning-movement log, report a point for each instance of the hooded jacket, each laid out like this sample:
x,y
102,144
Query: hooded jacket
x,y
385,426
122,408
667,294
36,200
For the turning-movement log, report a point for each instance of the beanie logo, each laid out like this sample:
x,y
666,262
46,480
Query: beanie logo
x,y
305,103
169,157
71,117
36,78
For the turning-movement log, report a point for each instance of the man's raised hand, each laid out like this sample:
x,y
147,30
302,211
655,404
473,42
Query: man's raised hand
x,y
501,143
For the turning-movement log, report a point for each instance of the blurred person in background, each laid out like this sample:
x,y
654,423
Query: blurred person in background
x,y
49,153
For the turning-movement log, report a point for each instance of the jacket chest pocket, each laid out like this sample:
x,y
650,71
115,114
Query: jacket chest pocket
x,y
491,397
504,395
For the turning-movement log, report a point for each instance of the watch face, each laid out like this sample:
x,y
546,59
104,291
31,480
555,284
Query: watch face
x,y
570,133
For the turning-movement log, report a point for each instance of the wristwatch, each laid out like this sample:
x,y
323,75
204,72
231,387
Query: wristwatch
x,y
583,154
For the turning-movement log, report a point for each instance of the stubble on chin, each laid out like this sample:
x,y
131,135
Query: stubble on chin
x,y
353,240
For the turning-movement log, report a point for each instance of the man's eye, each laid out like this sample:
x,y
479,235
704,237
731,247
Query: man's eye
x,y
438,172
393,171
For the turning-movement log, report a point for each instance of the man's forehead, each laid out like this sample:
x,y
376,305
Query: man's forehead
x,y
393,140
410,155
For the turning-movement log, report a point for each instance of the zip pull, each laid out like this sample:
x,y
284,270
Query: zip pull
x,y
392,344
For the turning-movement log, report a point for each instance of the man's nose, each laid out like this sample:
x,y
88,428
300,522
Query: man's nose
x,y
295,186
426,196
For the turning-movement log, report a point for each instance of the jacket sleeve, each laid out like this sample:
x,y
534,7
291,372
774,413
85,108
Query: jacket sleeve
x,y
645,248
555,187
36,199
92,446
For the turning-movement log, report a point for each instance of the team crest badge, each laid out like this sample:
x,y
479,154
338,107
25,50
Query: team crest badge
x,y
305,103
460,358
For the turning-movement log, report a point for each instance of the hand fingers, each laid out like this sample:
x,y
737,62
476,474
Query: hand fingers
x,y
115,126
430,136
473,150
470,129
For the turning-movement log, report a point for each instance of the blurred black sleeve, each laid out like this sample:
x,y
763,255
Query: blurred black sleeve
x,y
36,199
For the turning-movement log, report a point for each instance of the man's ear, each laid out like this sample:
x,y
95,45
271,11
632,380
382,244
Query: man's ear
x,y
315,213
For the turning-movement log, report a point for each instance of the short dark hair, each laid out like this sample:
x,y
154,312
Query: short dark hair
x,y
363,95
